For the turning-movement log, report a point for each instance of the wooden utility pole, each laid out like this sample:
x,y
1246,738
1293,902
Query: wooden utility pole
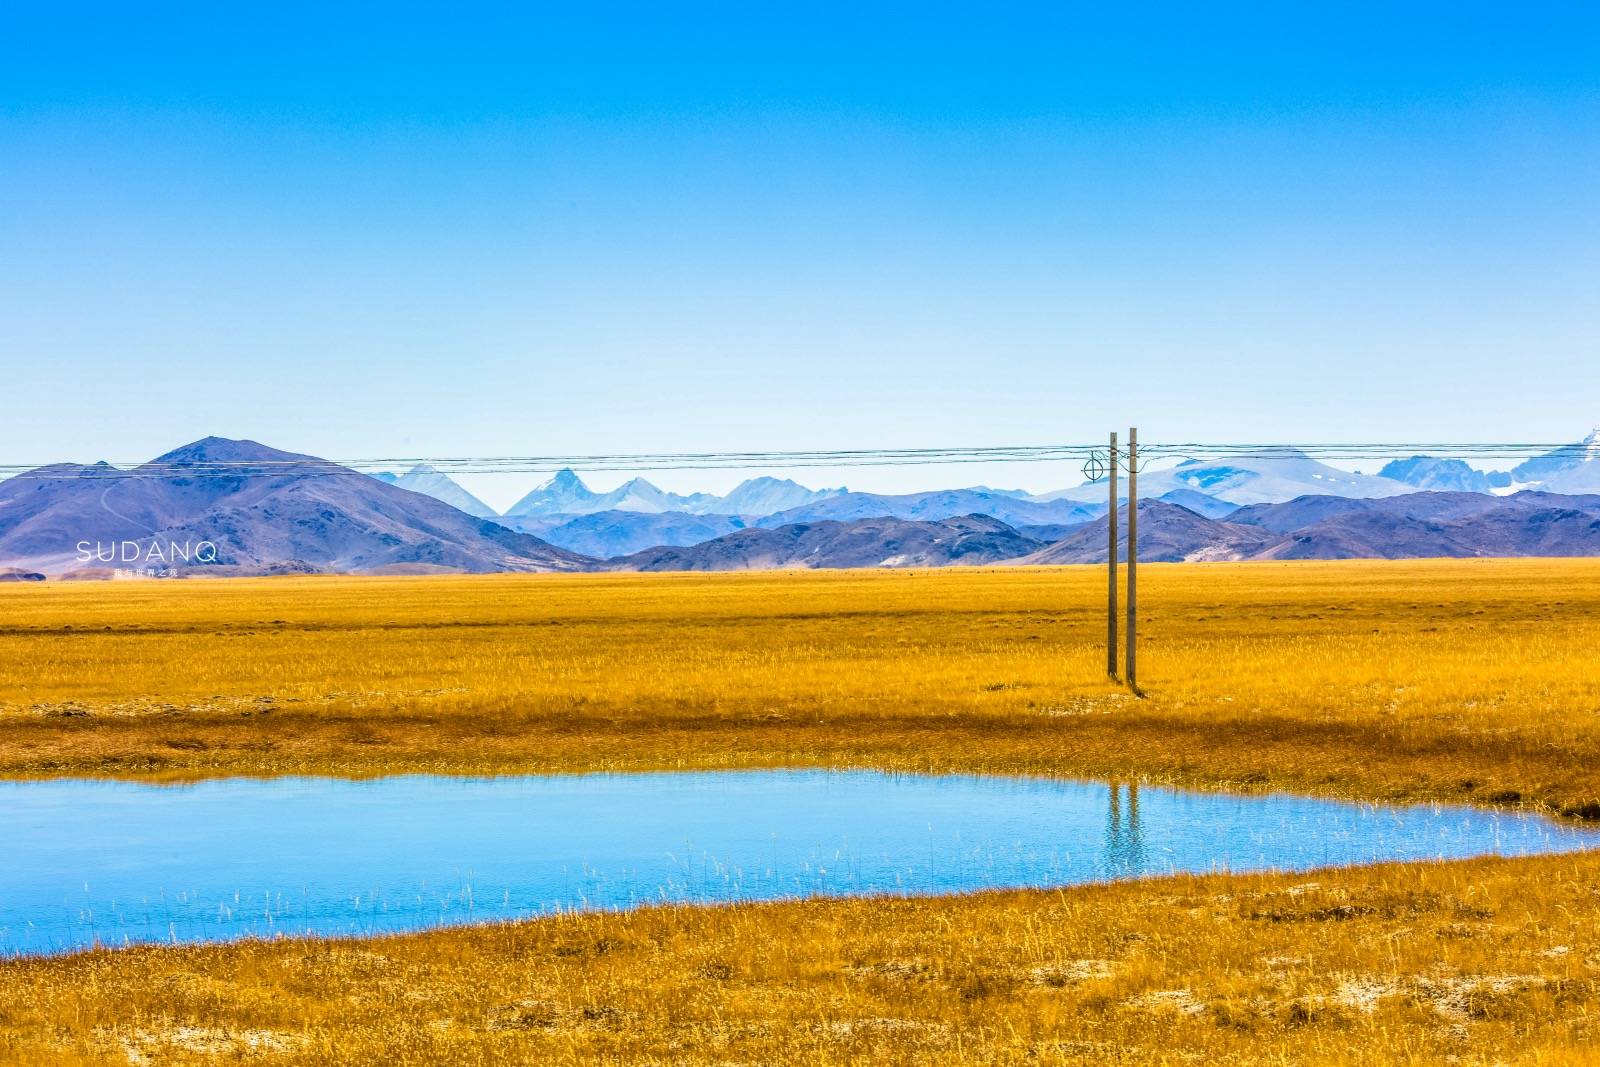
x,y
1131,672
1111,594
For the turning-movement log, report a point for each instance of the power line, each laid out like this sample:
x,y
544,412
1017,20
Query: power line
x,y
844,458
1368,449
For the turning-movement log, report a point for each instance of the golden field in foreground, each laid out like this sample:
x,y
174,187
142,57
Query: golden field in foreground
x,y
1475,680
1480,962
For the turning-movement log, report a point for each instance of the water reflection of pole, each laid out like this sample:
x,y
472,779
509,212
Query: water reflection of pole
x,y
1124,840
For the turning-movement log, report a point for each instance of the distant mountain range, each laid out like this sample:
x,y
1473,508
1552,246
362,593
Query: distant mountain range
x,y
1011,508
620,533
1423,525
1208,487
875,542
1412,526
566,494
258,510
639,515
219,506
1257,478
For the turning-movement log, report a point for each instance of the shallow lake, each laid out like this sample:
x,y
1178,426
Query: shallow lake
x,y
94,862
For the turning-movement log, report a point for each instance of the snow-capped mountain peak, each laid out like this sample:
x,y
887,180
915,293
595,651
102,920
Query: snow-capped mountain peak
x,y
1267,475
564,480
766,495
563,492
1249,478
1568,469
1445,475
427,480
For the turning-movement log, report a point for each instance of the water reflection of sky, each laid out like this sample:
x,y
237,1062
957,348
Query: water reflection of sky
x,y
112,862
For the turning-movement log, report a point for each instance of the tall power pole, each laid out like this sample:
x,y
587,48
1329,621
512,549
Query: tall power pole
x,y
1111,594
1131,671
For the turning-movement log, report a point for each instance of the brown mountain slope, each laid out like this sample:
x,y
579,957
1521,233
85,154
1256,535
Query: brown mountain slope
x,y
881,542
1168,533
261,510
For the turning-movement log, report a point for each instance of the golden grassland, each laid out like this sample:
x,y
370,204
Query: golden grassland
x,y
1478,962
1476,680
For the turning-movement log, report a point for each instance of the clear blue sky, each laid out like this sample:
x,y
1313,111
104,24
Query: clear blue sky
x,y
389,230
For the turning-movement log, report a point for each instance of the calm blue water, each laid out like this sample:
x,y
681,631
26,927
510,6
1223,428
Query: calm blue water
x,y
91,862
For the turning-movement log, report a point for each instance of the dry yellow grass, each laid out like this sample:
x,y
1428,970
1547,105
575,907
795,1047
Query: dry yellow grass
x,y
1464,680
1481,962
1471,680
